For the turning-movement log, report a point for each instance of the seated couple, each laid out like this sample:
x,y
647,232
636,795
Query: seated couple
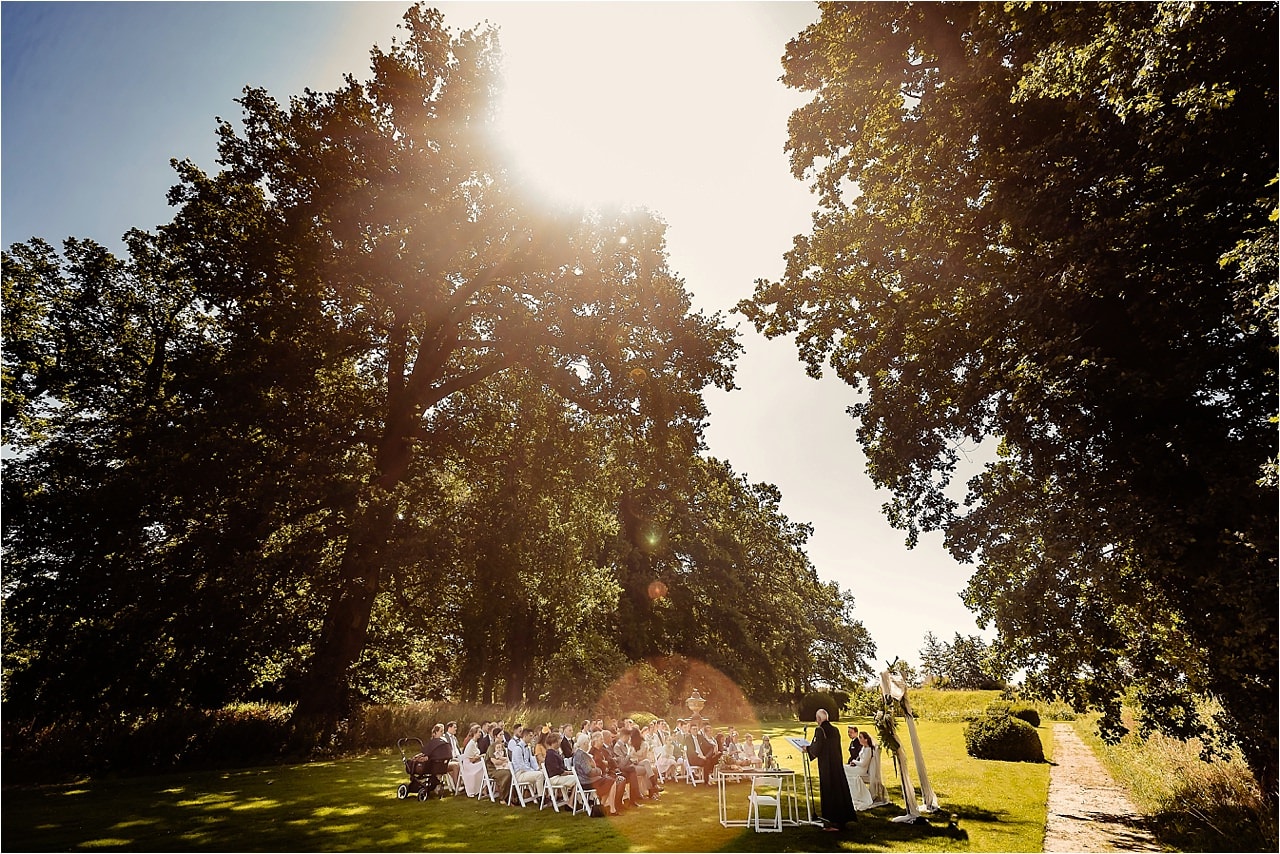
x,y
863,771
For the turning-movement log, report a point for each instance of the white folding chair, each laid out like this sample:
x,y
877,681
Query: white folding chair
x,y
759,799
692,773
566,790
528,788
583,796
487,786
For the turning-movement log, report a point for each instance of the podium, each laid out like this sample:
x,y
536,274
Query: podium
x,y
802,745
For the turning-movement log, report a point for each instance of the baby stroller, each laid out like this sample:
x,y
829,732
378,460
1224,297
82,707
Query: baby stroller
x,y
426,767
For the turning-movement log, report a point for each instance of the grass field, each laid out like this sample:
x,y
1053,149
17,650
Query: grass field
x,y
350,804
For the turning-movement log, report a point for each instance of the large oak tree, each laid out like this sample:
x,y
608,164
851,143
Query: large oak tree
x,y
1053,227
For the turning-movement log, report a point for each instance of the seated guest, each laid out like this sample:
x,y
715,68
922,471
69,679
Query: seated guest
x,y
524,765
557,771
566,740
473,767
642,758
439,752
451,736
592,777
498,763
619,752
747,756
766,753
485,727
705,754
660,750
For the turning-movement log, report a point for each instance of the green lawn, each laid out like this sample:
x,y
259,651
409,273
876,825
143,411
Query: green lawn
x,y
350,804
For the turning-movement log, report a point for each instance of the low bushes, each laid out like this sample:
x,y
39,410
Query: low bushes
x,y
1029,715
1003,737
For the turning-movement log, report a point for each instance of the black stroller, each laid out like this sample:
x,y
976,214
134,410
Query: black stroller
x,y
426,768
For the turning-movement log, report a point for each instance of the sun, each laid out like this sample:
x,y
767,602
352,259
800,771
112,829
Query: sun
x,y
588,114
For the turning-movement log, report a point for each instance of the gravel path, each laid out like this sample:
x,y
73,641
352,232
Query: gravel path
x,y
1087,810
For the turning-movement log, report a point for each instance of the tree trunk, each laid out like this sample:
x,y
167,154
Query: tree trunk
x,y
324,697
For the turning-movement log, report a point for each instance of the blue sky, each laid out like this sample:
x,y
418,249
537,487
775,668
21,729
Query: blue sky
x,y
674,106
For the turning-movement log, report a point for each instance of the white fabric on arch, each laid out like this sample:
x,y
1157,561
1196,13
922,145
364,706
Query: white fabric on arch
x,y
893,685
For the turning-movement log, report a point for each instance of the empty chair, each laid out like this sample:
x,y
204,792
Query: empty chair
x,y
760,797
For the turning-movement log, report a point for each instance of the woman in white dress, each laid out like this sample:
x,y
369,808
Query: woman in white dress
x,y
473,770
858,790
867,768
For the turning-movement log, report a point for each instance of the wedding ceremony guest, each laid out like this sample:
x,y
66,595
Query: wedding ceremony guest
x,y
592,777
455,764
747,756
766,753
833,786
540,746
473,767
704,752
497,761
642,758
557,771
566,740
620,763
524,765
485,728
432,746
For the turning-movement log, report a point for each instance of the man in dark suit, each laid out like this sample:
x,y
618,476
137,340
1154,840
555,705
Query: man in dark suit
x,y
703,751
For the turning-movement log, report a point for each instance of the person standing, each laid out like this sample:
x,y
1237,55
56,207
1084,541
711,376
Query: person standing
x,y
833,787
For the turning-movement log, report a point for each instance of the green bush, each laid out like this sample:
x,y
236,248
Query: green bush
x,y
865,701
642,718
815,700
1003,737
1027,714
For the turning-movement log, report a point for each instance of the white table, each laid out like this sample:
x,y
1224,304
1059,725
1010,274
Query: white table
x,y
787,793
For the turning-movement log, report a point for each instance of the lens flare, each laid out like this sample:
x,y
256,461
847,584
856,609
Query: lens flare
x,y
657,590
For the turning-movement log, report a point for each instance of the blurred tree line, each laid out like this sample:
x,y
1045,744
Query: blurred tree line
x,y
363,423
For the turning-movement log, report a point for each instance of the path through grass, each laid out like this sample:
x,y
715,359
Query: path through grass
x,y
350,804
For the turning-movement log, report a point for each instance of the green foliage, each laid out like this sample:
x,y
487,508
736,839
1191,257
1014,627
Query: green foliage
x,y
1051,229
176,739
967,663
864,701
1003,737
363,424
1031,716
814,700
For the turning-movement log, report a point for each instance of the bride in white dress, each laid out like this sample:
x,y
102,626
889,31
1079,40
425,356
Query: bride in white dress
x,y
865,784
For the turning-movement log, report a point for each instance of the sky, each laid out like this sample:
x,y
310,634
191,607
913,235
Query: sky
x,y
673,106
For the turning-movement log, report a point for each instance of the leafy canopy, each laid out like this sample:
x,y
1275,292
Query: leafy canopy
x,y
1053,227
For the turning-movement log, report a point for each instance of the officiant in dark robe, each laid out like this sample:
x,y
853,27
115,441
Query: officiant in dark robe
x,y
833,787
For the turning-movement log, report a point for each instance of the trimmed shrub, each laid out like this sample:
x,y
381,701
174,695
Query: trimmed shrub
x,y
642,718
815,700
1029,715
1003,737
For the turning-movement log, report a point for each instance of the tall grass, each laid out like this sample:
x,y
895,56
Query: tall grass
x,y
1193,805
935,704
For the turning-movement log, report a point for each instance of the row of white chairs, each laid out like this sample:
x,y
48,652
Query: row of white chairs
x,y
564,794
